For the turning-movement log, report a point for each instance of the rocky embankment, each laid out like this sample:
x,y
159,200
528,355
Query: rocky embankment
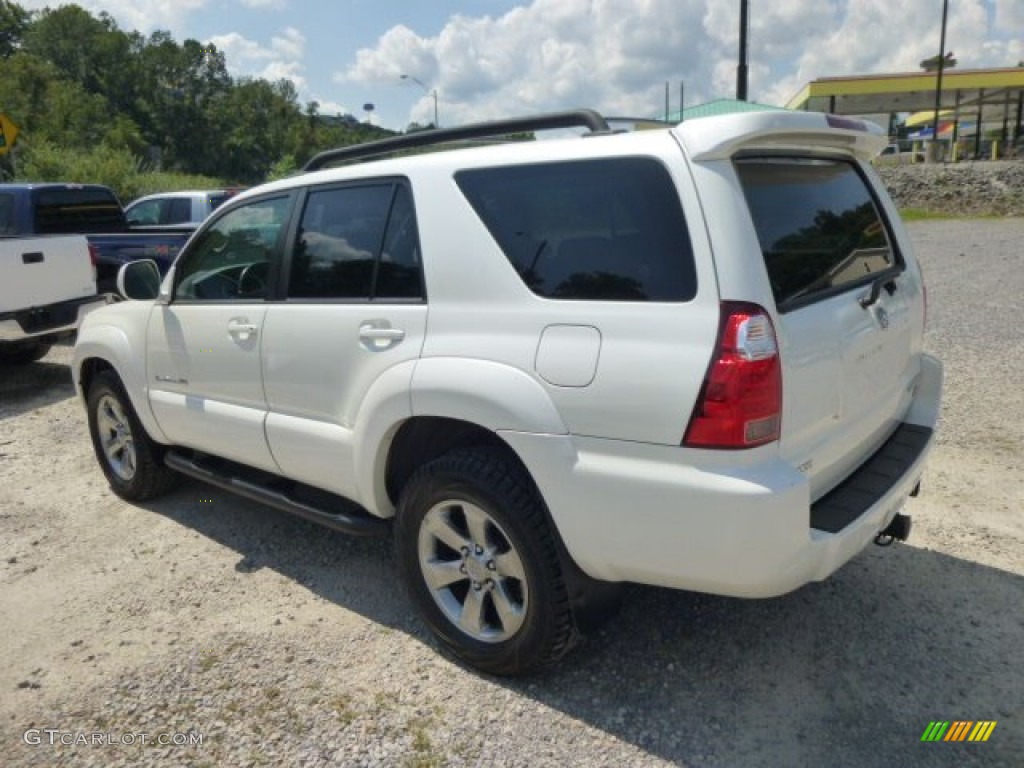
x,y
964,189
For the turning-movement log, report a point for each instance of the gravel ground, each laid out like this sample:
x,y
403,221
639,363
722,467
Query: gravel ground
x,y
280,643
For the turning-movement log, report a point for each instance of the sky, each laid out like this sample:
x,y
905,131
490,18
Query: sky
x,y
488,59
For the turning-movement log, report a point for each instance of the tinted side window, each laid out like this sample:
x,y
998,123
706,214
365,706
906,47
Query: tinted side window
x,y
179,210
398,273
77,210
6,214
818,226
231,259
357,242
217,199
339,237
607,229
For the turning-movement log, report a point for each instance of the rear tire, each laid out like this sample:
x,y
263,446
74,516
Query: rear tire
x,y
131,461
480,563
23,354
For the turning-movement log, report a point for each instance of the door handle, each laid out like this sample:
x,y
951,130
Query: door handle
x,y
381,334
242,328
376,335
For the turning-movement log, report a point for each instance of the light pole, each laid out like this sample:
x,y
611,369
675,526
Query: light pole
x,y
426,90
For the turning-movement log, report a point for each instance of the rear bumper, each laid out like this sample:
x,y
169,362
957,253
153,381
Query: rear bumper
x,y
51,320
737,524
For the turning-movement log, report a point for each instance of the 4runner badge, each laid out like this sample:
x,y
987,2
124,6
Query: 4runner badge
x,y
883,318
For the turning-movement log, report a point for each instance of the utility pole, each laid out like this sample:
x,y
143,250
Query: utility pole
x,y
938,84
741,70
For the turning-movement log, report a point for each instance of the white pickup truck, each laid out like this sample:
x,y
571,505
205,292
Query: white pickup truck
x,y
47,286
176,208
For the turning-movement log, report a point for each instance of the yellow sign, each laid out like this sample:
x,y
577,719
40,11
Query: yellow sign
x,y
8,133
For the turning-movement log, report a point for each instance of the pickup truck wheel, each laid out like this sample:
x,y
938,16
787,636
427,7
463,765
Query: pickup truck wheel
x,y
23,354
131,461
480,563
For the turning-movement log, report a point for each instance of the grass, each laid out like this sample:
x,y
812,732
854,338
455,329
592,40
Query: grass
x,y
920,214
424,754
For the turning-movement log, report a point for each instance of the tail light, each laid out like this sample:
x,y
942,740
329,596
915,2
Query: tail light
x,y
740,404
94,256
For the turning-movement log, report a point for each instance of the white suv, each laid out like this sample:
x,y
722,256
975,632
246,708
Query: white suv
x,y
687,357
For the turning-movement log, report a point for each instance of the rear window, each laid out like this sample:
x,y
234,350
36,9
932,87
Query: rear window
x,y
217,199
818,225
76,210
606,229
6,214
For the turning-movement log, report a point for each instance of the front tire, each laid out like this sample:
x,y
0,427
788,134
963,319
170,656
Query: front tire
x,y
480,563
131,461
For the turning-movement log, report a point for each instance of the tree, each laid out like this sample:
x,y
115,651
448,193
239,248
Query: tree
x,y
14,20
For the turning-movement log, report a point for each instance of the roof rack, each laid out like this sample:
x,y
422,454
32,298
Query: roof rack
x,y
577,118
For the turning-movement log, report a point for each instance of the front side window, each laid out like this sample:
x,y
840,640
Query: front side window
x,y
231,259
819,228
145,213
609,229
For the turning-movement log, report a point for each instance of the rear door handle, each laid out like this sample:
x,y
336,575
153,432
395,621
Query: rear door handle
x,y
377,334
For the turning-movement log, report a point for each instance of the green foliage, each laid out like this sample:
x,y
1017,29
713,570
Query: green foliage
x,y
13,23
283,168
117,168
96,103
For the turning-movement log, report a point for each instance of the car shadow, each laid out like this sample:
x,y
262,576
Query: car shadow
x,y
847,672
25,388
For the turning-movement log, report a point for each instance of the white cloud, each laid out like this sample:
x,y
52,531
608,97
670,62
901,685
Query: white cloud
x,y
142,15
616,55
283,58
269,4
611,54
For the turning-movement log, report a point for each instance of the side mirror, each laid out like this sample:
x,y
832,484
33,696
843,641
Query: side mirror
x,y
139,280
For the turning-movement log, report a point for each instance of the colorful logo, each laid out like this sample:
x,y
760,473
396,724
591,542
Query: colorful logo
x,y
958,730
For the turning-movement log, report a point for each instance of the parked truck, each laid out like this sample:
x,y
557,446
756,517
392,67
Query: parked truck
x,y
92,210
47,287
176,208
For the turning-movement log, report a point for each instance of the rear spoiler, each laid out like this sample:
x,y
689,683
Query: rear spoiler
x,y
719,138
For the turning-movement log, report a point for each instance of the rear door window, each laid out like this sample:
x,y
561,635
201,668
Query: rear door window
x,y
819,227
179,211
357,242
608,229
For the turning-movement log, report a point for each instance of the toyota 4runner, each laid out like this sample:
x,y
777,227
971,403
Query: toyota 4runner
x,y
688,357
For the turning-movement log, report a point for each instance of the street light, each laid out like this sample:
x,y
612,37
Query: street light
x,y
426,90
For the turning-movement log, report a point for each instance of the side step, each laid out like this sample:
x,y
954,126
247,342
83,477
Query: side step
x,y
324,508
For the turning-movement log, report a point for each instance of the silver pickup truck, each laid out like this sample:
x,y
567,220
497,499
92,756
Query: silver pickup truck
x,y
47,286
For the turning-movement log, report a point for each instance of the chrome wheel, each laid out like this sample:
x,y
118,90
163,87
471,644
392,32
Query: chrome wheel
x,y
473,571
115,436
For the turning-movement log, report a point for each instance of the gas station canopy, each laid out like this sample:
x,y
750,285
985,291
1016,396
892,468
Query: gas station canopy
x,y
997,93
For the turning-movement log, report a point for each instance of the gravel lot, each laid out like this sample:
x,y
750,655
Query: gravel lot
x,y
280,643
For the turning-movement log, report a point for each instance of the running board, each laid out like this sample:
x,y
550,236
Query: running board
x,y
276,492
